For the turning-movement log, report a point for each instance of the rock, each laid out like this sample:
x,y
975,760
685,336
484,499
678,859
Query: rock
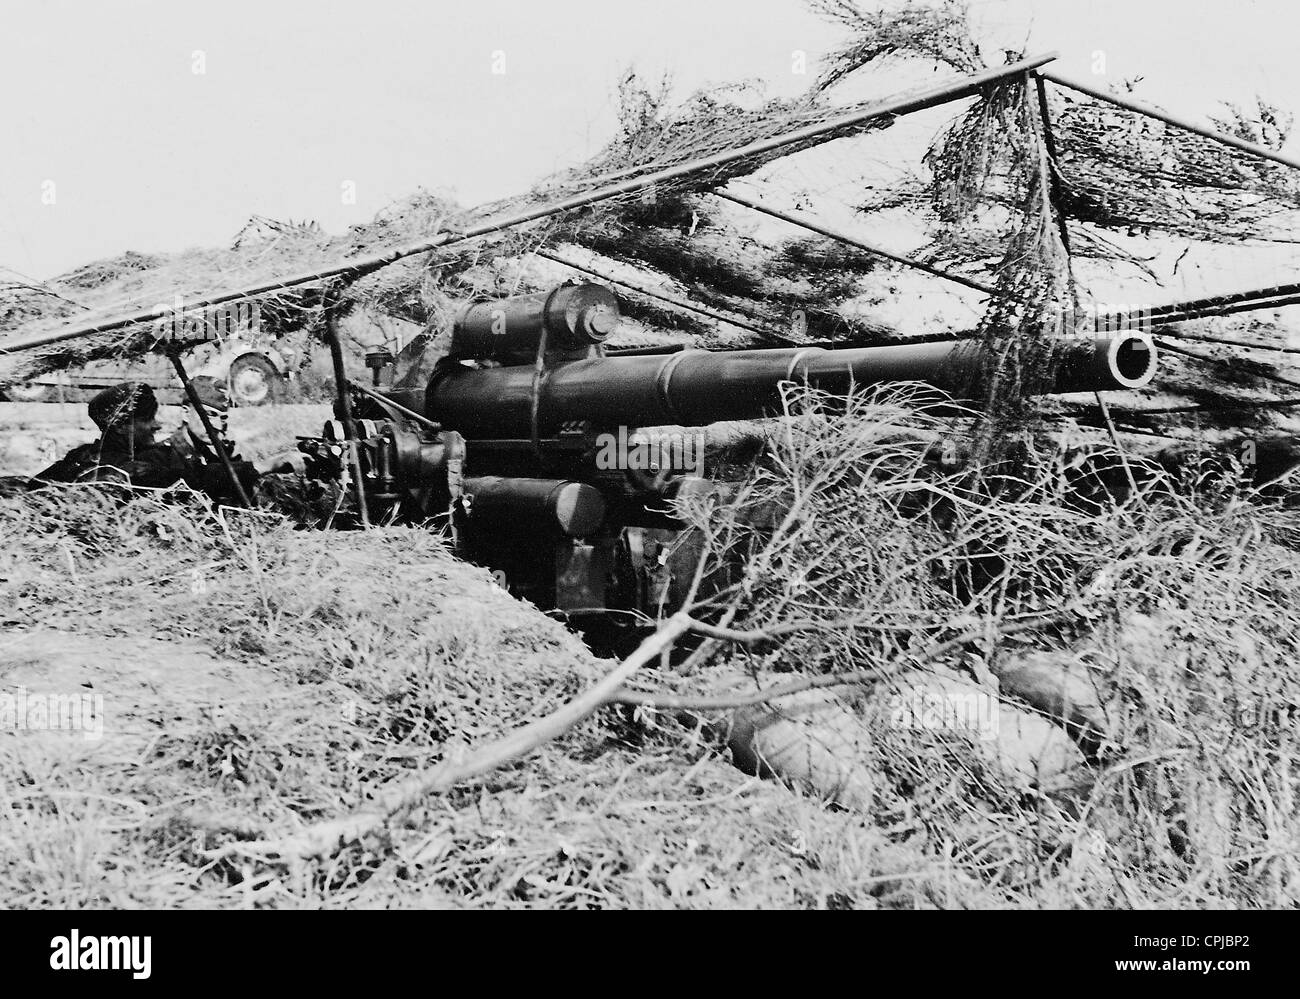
x,y
1023,745
812,739
1061,687
818,741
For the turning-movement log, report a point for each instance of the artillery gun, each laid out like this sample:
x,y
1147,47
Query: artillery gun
x,y
528,435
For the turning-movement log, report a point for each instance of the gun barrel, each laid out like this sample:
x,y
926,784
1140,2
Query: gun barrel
x,y
697,387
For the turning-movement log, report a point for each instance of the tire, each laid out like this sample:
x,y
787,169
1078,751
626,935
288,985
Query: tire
x,y
27,393
253,381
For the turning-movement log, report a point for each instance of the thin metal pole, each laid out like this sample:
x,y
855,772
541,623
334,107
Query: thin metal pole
x,y
890,107
1205,308
218,444
1231,309
1242,406
1169,119
409,413
1164,317
345,405
1224,363
1280,291
1226,341
813,226
1054,175
1054,198
1114,439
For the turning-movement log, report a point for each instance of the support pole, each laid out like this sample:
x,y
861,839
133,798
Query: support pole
x,y
410,414
1224,341
1207,308
1283,294
345,407
1242,406
1054,174
1114,440
218,444
1169,119
1054,198
842,237
1223,363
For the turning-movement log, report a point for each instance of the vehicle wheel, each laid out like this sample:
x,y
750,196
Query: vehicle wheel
x,y
253,381
27,393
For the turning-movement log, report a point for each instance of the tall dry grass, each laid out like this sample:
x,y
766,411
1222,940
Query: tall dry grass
x,y
309,669
1179,603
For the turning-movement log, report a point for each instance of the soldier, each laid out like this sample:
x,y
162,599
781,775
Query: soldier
x,y
128,454
190,438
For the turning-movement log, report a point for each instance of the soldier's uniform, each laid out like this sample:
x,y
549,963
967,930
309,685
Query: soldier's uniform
x,y
158,465
127,454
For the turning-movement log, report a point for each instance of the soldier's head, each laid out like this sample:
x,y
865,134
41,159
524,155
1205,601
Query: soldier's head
x,y
127,413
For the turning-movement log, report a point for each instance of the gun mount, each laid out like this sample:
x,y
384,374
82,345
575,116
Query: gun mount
x,y
526,436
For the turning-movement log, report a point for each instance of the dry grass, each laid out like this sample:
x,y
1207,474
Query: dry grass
x,y
1179,605
332,663
258,679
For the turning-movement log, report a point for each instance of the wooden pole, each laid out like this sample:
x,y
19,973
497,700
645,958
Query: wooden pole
x,y
843,237
1054,174
1169,119
218,444
1238,406
1054,197
1114,440
408,413
357,267
1287,292
1226,341
1278,297
1224,363
1231,309
345,408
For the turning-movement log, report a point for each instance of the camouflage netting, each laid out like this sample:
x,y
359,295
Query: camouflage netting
x,y
983,203
991,167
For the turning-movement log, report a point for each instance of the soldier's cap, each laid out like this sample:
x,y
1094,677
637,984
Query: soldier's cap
x,y
212,393
121,404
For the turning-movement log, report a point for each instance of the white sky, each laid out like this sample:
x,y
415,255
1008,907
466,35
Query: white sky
x,y
297,98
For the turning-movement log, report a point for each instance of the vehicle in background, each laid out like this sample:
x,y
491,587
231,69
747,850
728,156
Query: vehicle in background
x,y
255,369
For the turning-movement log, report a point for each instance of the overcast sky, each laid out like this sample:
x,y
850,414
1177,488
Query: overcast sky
x,y
160,125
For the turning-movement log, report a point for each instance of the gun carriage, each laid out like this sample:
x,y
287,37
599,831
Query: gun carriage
x,y
526,434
